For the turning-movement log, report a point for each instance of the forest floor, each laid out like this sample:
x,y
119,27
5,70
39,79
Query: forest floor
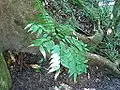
x,y
25,78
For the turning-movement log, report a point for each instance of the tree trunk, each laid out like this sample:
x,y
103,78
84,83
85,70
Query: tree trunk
x,y
14,15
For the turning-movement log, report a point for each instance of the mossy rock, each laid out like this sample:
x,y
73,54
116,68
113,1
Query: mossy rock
x,y
5,78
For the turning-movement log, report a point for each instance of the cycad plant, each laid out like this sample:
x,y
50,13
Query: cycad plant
x,y
58,40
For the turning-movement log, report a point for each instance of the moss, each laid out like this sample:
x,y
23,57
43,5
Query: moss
x,y
5,78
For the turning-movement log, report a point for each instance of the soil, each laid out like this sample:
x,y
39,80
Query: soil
x,y
25,78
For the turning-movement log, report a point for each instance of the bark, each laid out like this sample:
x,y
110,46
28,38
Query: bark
x,y
103,62
92,41
14,15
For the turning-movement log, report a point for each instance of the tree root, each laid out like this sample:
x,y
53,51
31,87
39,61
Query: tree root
x,y
92,41
95,39
102,61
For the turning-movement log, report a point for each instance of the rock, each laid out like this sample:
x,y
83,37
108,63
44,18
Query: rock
x,y
14,15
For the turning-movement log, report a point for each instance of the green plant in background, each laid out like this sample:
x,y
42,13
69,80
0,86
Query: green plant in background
x,y
112,46
102,10
96,11
57,39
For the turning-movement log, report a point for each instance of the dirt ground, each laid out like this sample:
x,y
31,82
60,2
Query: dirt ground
x,y
25,78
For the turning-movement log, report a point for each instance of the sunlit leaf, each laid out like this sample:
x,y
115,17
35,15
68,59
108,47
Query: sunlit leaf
x,y
55,60
42,50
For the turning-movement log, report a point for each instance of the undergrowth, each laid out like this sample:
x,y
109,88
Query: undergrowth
x,y
58,40
104,14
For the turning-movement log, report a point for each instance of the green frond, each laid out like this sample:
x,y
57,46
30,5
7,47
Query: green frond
x,y
55,60
66,30
49,44
73,59
57,39
33,27
43,52
39,42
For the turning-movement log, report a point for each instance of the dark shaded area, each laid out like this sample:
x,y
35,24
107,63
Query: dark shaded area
x,y
62,11
27,79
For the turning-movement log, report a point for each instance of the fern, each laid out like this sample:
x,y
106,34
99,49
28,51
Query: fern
x,y
73,59
55,60
57,39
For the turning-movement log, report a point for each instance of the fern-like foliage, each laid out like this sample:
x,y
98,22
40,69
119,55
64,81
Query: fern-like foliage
x,y
57,40
55,60
73,57
95,12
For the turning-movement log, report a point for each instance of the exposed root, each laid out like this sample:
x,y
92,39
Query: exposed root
x,y
90,40
102,61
